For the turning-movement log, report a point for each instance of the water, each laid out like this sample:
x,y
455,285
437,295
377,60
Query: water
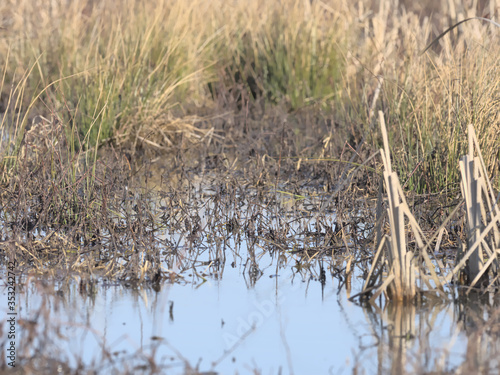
x,y
277,325
256,313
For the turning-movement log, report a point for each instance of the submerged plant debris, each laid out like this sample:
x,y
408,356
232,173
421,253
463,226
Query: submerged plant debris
x,y
152,223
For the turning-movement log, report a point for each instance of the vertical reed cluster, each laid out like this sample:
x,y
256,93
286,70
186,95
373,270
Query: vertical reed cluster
x,y
478,262
483,219
393,255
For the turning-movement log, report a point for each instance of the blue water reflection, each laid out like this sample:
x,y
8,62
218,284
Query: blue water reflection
x,y
282,324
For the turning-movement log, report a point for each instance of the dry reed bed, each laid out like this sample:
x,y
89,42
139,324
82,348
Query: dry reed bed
x,y
401,272
142,73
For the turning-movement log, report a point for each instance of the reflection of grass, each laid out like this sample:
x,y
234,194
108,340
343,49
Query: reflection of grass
x,y
138,72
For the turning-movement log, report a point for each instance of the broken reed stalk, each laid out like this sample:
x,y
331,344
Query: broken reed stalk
x,y
403,266
480,261
483,219
400,259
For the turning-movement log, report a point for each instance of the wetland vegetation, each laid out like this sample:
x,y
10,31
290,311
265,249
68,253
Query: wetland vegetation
x,y
152,144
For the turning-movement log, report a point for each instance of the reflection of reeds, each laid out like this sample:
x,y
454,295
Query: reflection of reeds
x,y
407,341
483,219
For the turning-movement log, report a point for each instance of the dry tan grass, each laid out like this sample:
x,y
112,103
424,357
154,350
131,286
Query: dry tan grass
x,y
138,68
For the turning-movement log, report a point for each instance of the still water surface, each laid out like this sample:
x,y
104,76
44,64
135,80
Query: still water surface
x,y
278,325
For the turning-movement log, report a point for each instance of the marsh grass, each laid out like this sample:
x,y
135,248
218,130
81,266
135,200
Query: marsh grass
x,y
147,75
268,94
137,67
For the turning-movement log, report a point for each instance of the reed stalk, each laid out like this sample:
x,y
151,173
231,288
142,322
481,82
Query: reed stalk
x,y
393,254
483,219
